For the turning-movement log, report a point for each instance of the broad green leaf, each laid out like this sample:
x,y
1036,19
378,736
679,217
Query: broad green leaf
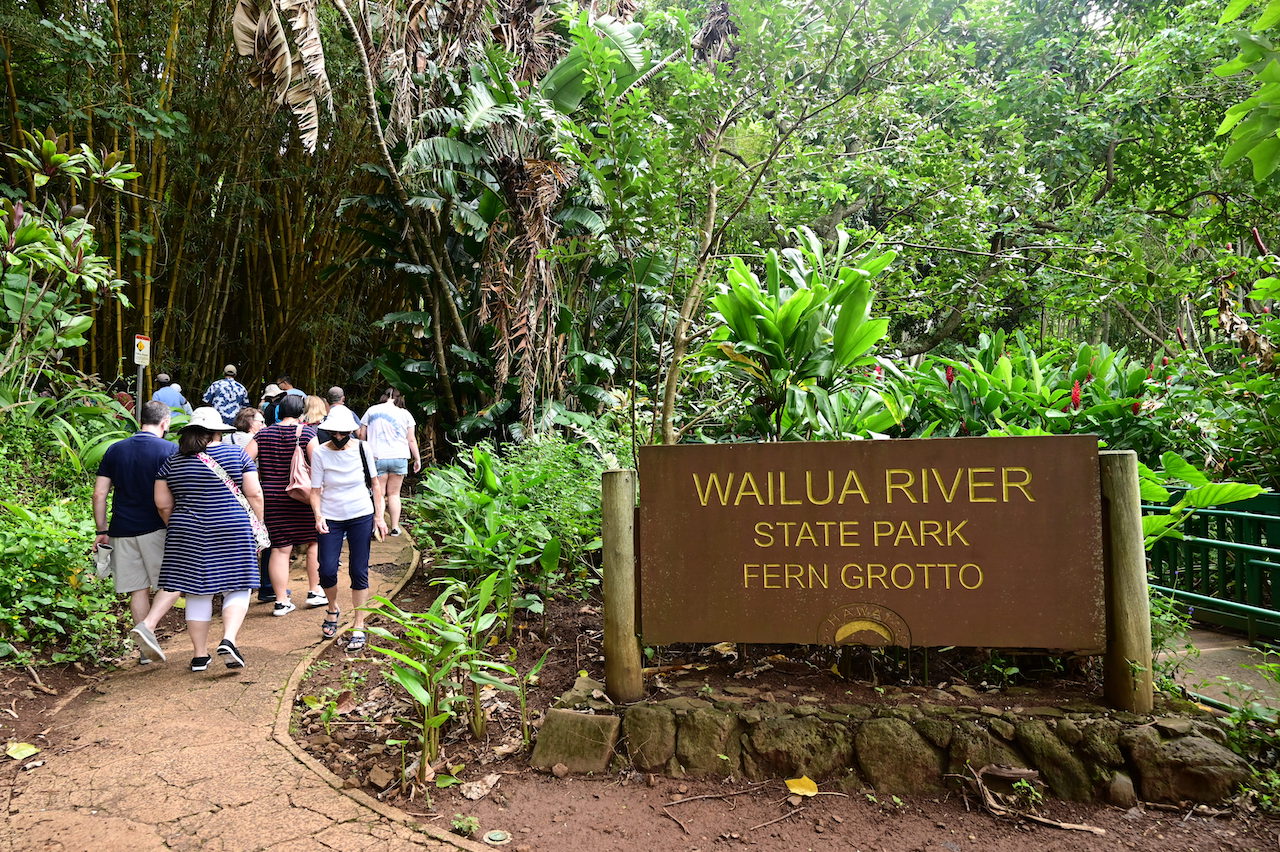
x,y
1236,114
550,557
1179,468
1269,18
1004,371
1220,493
1265,157
1234,10
861,340
876,265
1152,492
1156,524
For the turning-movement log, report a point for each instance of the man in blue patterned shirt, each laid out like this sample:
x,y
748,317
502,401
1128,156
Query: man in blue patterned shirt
x,y
227,395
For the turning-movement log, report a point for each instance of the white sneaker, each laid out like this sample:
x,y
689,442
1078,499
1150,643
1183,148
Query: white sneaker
x,y
282,608
315,599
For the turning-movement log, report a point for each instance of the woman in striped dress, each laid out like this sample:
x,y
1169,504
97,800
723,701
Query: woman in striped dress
x,y
288,520
209,548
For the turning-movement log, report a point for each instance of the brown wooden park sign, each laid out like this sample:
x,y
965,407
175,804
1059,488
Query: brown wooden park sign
x,y
989,542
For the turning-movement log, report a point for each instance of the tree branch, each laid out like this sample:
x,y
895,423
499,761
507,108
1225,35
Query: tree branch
x,y
1137,323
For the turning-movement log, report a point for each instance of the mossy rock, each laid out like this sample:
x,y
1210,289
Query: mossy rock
x,y
1061,769
708,743
788,748
651,736
1099,742
895,758
972,745
1190,768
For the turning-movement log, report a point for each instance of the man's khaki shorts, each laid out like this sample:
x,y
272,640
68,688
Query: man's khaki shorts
x,y
135,561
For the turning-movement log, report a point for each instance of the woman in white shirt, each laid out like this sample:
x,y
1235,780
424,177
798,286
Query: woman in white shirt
x,y
389,428
342,473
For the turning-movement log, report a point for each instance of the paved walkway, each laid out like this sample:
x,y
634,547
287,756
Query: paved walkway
x,y
1223,668
159,757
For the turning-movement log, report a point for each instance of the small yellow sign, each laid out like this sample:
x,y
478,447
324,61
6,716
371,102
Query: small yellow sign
x,y
141,350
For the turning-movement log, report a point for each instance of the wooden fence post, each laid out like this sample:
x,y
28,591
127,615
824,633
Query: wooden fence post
x,y
623,680
1128,683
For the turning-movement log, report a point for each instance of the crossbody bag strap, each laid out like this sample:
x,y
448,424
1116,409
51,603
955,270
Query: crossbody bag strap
x,y
364,465
222,474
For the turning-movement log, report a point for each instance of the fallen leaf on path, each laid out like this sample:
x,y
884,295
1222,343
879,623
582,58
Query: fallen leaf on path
x,y
479,789
802,786
21,751
346,702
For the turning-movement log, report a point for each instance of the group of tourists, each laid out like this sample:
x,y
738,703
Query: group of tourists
x,y
223,510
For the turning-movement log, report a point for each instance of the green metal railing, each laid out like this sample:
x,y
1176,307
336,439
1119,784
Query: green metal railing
x,y
1226,569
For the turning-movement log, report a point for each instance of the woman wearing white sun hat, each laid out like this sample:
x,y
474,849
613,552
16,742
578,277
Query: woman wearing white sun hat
x,y
204,494
342,474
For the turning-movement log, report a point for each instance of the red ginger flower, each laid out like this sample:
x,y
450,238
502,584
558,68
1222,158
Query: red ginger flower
x,y
951,375
1137,406
1075,396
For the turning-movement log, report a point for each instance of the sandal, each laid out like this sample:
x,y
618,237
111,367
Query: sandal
x,y
329,627
356,642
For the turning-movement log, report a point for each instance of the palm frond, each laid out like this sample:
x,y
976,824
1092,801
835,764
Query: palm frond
x,y
244,26
303,17
273,60
481,109
302,103
583,216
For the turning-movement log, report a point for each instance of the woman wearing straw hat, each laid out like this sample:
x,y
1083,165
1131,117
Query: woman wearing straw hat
x,y
342,474
205,494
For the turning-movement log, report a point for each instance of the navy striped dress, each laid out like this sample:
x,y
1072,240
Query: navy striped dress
x,y
209,547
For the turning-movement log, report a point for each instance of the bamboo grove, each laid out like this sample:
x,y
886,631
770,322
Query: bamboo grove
x,y
500,205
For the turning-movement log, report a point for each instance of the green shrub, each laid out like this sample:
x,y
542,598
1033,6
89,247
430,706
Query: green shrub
x,y
52,606
532,511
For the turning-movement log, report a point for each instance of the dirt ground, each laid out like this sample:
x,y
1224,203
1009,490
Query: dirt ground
x,y
30,698
629,810
626,813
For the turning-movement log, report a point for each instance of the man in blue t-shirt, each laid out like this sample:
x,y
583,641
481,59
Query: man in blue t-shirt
x,y
136,533
170,393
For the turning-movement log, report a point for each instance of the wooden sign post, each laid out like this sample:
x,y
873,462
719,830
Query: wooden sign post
x,y
623,680
1128,683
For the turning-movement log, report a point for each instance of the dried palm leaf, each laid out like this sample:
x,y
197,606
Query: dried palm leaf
x,y
273,61
244,26
305,21
714,42
301,99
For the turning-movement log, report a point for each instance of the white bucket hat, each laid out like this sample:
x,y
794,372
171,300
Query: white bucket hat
x,y
339,420
206,417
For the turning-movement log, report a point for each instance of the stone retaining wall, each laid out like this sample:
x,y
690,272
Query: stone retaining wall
x,y
1082,751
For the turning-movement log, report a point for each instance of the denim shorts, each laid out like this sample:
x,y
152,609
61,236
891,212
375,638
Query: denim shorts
x,y
397,466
